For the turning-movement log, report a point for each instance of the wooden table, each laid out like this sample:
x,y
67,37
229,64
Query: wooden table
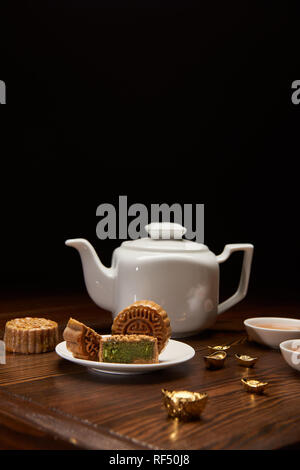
x,y
49,403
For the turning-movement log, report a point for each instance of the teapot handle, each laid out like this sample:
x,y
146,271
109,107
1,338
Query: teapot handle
x,y
245,274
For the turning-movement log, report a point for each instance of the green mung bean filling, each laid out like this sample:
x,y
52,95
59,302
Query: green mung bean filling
x,y
127,352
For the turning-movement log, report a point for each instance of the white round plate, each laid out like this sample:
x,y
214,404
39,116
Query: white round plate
x,y
175,353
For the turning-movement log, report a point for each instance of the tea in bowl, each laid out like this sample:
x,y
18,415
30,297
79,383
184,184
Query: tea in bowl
x,y
271,331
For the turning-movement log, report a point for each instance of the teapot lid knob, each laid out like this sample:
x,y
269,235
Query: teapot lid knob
x,y
165,230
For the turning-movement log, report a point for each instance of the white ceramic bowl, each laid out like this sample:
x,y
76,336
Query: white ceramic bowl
x,y
290,356
271,337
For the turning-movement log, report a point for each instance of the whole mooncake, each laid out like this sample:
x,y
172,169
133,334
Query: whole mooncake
x,y
30,335
82,341
144,317
129,349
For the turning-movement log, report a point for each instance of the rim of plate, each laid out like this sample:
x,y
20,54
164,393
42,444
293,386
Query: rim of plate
x,y
116,365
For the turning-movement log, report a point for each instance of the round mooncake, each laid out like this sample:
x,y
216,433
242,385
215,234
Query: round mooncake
x,y
144,317
30,335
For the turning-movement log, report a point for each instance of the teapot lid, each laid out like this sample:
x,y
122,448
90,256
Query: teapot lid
x,y
164,236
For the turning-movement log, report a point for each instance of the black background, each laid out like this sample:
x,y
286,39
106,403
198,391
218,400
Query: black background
x,y
186,102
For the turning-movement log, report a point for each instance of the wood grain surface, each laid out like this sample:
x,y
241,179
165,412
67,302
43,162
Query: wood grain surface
x,y
47,402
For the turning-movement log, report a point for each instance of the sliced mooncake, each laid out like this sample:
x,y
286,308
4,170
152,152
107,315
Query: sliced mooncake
x,y
30,335
144,317
129,349
82,341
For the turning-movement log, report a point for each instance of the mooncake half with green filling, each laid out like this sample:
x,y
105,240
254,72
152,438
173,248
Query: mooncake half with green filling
x,y
129,349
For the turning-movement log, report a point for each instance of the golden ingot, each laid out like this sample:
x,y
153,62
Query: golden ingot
x,y
221,347
254,386
183,404
215,360
246,361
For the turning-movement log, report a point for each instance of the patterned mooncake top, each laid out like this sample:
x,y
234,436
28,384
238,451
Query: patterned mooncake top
x,y
144,317
30,323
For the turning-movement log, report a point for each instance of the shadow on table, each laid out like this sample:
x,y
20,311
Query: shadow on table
x,y
161,376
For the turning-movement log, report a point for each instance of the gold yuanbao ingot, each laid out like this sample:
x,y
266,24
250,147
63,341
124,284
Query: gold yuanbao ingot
x,y
216,360
183,404
246,361
253,385
219,347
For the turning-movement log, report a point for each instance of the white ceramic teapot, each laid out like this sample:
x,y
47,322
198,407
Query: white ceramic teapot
x,y
180,275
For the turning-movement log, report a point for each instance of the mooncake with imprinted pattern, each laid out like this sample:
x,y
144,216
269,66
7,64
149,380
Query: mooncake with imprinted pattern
x,y
144,317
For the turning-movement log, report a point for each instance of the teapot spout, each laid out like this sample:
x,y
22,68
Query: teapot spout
x,y
99,280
